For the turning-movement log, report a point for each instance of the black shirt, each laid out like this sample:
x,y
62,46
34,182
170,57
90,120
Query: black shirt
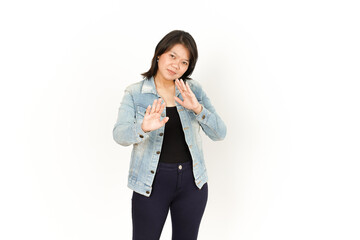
x,y
174,147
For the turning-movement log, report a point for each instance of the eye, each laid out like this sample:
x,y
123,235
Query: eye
x,y
172,56
185,63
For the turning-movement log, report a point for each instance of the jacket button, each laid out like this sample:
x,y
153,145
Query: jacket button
x,y
160,134
141,136
203,116
152,171
158,152
147,192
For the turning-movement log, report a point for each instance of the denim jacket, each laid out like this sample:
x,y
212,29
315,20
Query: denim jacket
x,y
147,146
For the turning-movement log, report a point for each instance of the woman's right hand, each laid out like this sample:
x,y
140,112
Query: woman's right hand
x,y
152,116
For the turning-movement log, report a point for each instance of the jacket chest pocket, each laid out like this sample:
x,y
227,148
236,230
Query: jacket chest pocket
x,y
140,112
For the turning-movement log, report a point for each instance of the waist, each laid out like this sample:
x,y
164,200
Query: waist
x,y
175,166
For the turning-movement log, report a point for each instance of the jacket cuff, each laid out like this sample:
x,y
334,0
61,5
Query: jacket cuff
x,y
203,115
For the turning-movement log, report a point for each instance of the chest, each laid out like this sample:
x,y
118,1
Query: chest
x,y
167,96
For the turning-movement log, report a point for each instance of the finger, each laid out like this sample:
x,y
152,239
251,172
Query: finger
x,y
178,85
189,90
179,100
188,87
153,106
183,84
148,110
162,107
158,105
165,119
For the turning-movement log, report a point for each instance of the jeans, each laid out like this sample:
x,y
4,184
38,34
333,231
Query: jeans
x,y
174,189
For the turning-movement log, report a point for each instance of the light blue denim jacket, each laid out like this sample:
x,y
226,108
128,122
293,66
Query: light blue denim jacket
x,y
147,146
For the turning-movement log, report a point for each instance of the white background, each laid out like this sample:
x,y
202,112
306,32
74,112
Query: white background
x,y
283,75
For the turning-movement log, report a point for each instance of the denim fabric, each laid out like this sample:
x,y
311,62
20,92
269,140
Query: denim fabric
x,y
147,146
173,189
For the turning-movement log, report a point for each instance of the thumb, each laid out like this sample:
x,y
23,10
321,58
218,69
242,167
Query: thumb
x,y
165,119
178,100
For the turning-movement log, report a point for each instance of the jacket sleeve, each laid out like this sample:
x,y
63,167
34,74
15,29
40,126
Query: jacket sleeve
x,y
209,120
127,130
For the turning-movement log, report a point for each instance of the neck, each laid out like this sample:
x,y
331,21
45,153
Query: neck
x,y
162,83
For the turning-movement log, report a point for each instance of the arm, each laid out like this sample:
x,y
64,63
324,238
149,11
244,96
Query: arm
x,y
209,120
127,130
202,108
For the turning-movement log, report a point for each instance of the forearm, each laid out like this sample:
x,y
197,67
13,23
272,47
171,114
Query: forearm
x,y
211,123
127,129
126,134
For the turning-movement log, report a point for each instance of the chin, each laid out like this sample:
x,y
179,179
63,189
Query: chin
x,y
172,78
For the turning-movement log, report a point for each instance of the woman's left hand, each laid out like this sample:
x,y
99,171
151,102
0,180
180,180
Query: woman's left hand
x,y
190,101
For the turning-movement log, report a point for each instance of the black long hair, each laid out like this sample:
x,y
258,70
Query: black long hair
x,y
166,43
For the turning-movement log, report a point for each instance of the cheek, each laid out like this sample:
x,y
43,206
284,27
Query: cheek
x,y
183,70
162,62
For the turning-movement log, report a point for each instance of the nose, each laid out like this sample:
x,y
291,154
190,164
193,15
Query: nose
x,y
176,64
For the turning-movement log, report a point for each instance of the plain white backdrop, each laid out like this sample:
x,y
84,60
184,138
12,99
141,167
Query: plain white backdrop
x,y
283,75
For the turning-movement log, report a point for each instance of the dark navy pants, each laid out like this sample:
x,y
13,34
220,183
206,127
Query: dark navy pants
x,y
173,189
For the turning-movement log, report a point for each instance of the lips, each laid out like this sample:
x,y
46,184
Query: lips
x,y
171,72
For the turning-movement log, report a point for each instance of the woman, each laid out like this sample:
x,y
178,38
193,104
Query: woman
x,y
161,117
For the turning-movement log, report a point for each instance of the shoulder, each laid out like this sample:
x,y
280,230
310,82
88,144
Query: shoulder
x,y
195,87
194,84
135,87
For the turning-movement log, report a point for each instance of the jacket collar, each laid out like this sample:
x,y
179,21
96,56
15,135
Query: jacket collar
x,y
149,87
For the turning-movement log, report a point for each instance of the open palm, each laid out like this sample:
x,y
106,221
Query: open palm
x,y
151,119
190,101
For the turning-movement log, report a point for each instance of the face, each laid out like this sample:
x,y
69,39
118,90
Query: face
x,y
173,63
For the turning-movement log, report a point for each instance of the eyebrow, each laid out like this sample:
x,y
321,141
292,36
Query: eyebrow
x,y
178,55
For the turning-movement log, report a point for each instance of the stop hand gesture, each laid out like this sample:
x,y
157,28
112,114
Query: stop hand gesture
x,y
152,120
190,101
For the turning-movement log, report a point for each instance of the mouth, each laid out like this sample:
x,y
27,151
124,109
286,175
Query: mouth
x,y
171,72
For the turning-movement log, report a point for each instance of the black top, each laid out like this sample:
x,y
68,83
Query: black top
x,y
174,148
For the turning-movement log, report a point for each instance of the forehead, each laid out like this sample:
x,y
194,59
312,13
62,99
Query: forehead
x,y
180,50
